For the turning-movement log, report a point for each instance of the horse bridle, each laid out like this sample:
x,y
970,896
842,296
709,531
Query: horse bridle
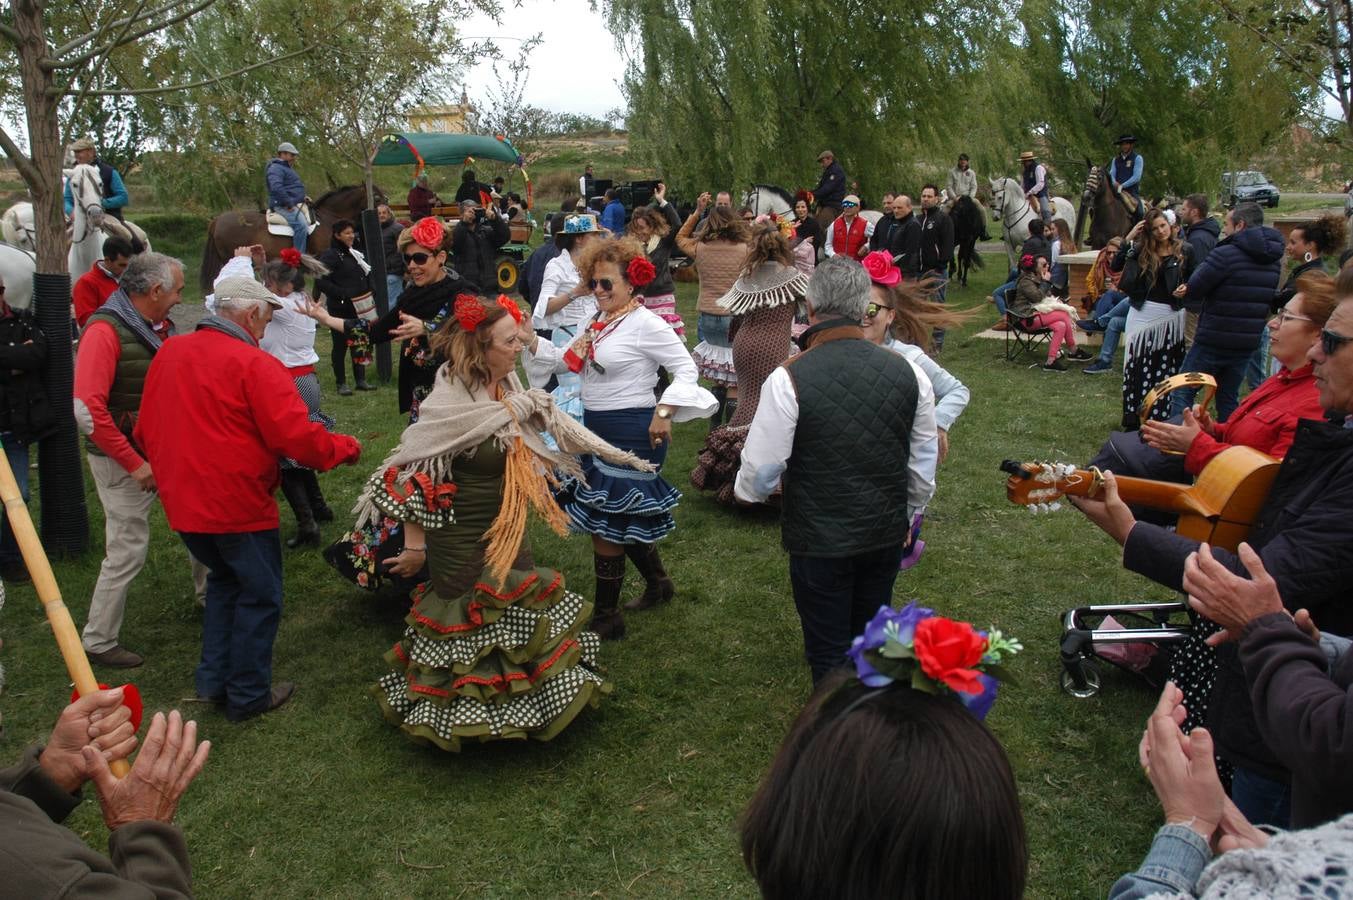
x,y
78,196
1027,212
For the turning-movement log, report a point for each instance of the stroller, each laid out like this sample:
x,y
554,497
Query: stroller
x,y
1135,637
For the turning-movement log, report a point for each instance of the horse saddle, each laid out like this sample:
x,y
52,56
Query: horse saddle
x,y
278,225
127,230
1129,202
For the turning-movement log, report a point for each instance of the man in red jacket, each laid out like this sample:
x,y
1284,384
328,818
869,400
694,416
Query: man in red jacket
x,y
97,285
216,416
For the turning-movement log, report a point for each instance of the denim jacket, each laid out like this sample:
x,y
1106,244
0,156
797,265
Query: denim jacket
x,y
1177,858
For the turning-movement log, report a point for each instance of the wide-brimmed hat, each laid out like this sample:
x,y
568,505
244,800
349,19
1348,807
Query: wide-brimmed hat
x,y
1126,139
581,225
81,144
288,147
239,287
1027,155
825,154
850,199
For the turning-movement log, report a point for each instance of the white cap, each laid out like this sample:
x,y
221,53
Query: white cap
x,y
288,147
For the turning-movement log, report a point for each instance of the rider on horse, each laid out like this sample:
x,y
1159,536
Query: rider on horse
x,y
286,193
114,191
1035,182
1125,175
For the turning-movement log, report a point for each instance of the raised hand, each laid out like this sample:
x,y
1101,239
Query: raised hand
x,y
166,765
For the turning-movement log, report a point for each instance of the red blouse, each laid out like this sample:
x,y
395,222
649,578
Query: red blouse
x,y
1265,420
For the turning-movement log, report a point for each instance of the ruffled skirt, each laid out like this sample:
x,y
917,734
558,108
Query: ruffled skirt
x,y
716,468
714,354
664,306
617,503
1155,351
493,663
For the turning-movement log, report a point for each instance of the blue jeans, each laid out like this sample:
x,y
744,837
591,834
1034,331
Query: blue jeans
x,y
1227,366
394,286
1262,800
836,597
299,228
1258,368
1114,321
1001,292
1107,302
941,280
17,453
244,608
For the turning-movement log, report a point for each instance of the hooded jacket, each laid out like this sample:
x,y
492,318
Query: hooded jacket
x,y
1236,283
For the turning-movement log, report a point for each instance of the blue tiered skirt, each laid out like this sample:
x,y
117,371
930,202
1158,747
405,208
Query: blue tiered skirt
x,y
617,503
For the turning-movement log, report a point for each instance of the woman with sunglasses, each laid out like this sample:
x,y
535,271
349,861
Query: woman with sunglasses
x,y
1035,309
900,317
618,355
430,288
763,301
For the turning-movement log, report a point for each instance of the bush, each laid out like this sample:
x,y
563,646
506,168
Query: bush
x,y
178,234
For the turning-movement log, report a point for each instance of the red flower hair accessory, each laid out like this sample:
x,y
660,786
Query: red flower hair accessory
x,y
512,308
292,257
640,271
429,232
1026,262
469,311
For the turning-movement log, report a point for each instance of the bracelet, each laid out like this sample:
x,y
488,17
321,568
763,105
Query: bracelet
x,y
422,549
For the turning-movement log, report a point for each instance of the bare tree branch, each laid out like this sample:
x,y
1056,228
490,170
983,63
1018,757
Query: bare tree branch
x,y
72,62
84,91
22,163
76,43
1287,56
215,79
9,34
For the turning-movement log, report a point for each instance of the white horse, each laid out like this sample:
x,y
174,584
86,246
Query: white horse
x,y
87,218
17,268
1010,207
17,226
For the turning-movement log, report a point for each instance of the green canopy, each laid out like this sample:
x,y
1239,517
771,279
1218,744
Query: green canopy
x,y
420,149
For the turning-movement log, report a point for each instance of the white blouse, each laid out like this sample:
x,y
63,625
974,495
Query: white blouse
x,y
290,336
561,275
631,352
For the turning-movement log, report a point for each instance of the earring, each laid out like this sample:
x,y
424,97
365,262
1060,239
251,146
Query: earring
x,y
1308,257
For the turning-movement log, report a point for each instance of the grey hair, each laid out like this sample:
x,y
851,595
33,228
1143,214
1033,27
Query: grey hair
x,y
1249,213
146,271
839,287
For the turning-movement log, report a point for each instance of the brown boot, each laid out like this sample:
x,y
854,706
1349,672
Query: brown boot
x,y
658,588
607,619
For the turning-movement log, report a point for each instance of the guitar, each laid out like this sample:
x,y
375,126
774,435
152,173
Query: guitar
x,y
1218,508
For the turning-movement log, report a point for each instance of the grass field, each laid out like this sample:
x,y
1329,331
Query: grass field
x,y
638,798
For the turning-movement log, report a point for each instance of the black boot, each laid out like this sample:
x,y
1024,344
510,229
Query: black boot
x,y
293,487
658,588
721,394
730,409
359,372
318,507
607,619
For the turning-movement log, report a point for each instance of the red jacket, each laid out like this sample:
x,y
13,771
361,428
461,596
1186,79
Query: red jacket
x,y
1265,420
844,244
90,292
216,416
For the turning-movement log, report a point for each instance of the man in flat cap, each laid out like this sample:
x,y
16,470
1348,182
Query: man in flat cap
x,y
286,193
830,190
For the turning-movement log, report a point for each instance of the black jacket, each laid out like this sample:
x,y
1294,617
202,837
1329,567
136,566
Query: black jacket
x,y
831,187
905,246
344,281
1289,287
394,261
661,255
1236,284
24,410
1202,237
884,231
937,239
1134,282
1304,535
811,230
474,251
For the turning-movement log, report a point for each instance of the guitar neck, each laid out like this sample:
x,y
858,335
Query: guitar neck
x,y
1163,495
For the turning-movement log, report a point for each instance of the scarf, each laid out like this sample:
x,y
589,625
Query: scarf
x,y
772,284
217,323
119,305
455,419
427,300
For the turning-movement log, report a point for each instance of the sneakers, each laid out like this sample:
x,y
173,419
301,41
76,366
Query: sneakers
x,y
1079,355
1090,325
1098,367
1055,365
344,390
364,386
115,657
281,693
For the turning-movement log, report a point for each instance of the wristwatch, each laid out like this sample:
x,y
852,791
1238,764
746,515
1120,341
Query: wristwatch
x,y
664,412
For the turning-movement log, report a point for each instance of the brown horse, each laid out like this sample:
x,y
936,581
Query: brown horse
x,y
240,228
1109,217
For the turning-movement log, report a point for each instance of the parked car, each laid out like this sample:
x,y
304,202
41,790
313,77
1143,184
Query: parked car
x,y
1248,187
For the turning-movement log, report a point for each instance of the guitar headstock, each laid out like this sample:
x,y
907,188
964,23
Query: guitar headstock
x,y
1040,486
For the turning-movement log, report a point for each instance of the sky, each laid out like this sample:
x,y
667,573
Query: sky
x,y
574,41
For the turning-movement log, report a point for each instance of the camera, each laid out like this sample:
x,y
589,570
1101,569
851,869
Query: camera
x,y
479,215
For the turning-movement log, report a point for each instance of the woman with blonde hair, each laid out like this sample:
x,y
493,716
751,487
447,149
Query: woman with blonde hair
x,y
626,509
1154,262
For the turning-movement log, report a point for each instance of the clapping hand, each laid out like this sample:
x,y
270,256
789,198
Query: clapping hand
x,y
166,765
1181,768
1171,438
1226,598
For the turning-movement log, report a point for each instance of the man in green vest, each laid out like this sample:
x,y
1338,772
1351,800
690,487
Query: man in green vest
x,y
116,348
848,428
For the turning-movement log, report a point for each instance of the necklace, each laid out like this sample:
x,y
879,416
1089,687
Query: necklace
x,y
604,325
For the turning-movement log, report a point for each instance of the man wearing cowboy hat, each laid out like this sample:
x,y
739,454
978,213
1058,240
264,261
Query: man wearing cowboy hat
x,y
830,190
286,193
114,191
1125,172
1035,181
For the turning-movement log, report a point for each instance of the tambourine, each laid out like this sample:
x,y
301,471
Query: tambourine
x,y
1197,380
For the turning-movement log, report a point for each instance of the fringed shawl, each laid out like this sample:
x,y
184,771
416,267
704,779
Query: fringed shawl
x,y
771,285
454,420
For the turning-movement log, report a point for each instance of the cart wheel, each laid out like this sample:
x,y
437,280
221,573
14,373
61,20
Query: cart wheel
x,y
1091,682
508,274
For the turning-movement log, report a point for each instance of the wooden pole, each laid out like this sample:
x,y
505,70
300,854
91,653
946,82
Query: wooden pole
x,y
67,638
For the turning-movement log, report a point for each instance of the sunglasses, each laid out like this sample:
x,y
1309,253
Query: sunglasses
x,y
849,205
873,309
1331,341
605,284
417,259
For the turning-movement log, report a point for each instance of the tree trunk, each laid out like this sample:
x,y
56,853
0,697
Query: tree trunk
x,y
65,522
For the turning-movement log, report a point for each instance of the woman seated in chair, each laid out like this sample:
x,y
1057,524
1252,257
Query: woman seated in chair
x,y
1033,309
1267,418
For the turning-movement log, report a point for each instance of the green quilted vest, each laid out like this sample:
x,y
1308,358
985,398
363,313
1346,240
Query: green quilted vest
x,y
129,380
845,489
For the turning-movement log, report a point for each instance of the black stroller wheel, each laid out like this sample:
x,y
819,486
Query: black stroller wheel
x,y
1089,674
